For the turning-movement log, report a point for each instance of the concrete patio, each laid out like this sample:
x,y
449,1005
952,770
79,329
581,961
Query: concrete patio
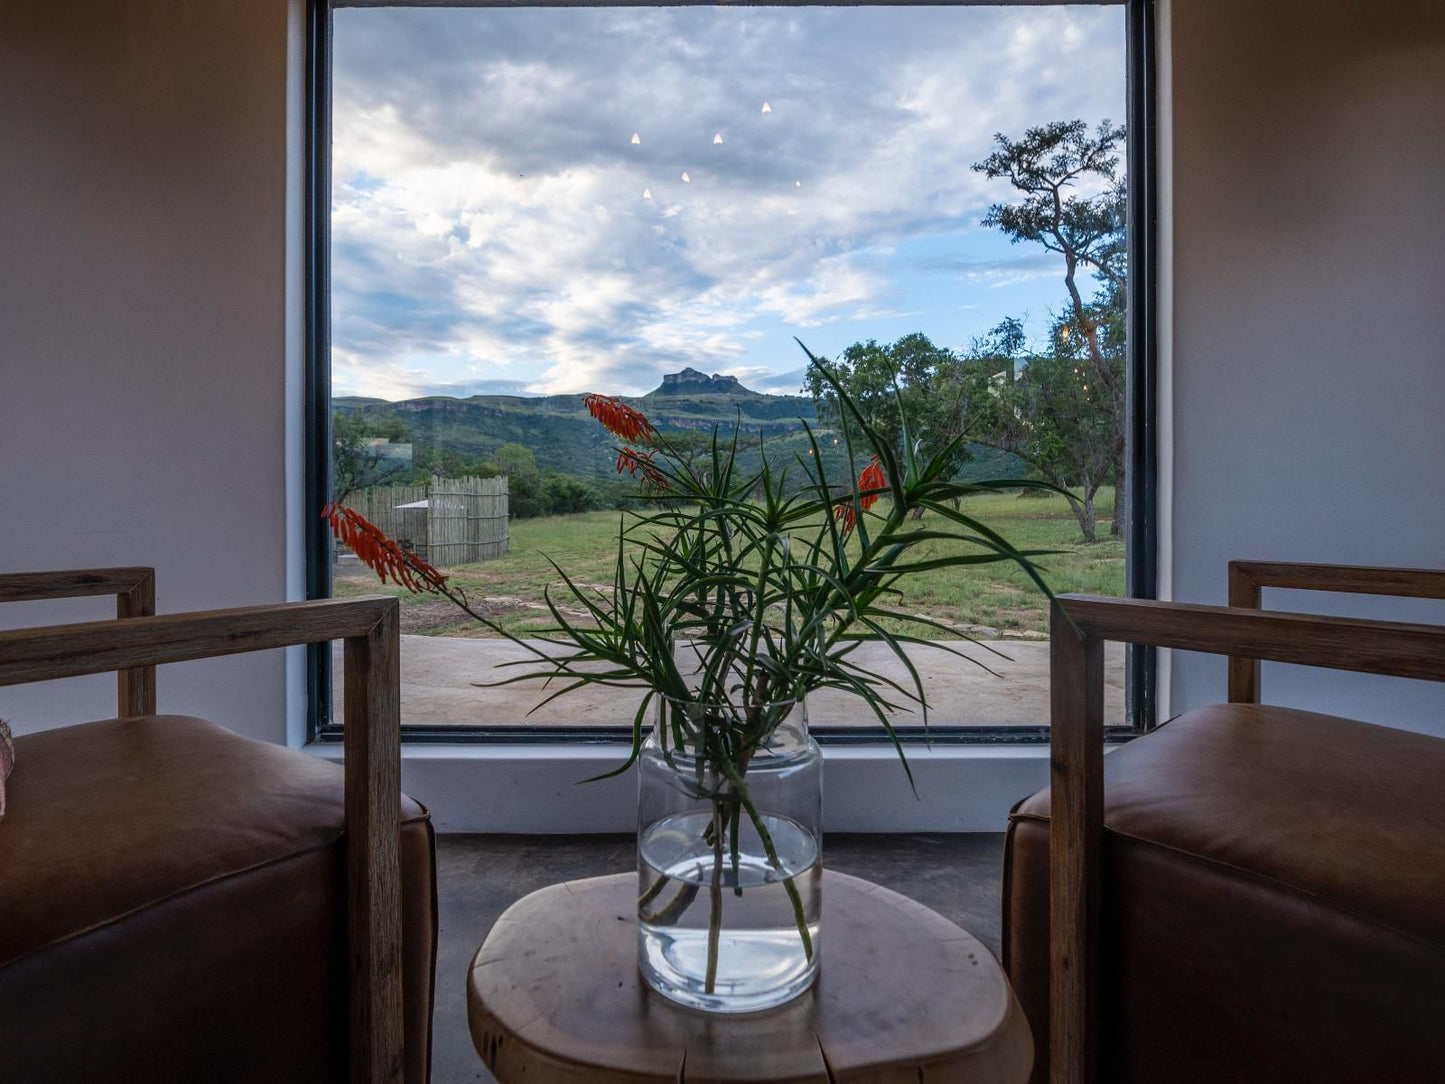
x,y
440,676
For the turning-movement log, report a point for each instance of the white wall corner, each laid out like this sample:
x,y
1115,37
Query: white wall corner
x,y
1164,328
295,356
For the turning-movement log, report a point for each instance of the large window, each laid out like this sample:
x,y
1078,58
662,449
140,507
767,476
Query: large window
x,y
517,206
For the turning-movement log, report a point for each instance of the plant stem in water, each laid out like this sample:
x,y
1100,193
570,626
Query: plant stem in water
x,y
675,908
734,812
772,852
714,918
684,897
653,891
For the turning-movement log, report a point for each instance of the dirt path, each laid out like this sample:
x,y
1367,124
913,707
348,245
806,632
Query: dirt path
x,y
442,678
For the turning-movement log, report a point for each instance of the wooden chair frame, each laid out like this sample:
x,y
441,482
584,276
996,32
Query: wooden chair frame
x,y
1079,626
1248,578
135,596
138,641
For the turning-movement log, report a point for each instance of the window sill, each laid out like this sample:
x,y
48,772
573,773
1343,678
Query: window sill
x,y
538,788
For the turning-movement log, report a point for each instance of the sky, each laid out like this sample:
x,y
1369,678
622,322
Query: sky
x,y
496,228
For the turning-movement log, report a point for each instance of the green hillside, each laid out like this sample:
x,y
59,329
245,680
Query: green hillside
x,y
566,439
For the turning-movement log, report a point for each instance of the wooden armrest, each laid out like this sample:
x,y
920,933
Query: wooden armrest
x,y
135,596
1079,625
372,736
1247,579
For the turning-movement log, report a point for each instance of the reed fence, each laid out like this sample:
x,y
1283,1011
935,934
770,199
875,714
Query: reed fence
x,y
454,521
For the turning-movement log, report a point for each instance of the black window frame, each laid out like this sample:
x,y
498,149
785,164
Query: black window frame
x,y
1141,420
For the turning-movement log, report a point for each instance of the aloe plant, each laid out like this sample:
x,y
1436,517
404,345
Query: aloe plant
x,y
746,590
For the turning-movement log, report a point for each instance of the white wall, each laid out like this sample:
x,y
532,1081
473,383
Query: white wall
x,y
143,338
1308,294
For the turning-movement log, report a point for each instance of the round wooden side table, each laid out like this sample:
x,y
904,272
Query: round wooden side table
x,y
902,994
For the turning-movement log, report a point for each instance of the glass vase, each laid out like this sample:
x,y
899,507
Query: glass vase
x,y
729,855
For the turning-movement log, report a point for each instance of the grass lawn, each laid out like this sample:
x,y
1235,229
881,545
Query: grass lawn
x,y
997,596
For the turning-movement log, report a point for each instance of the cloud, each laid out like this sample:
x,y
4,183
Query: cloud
x,y
759,378
461,389
1026,265
487,198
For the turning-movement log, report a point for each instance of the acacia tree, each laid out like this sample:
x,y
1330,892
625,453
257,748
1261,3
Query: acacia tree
x,y
691,447
1054,167
1041,408
359,455
878,377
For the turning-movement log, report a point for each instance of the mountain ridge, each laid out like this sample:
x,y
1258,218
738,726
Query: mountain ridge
x,y
688,381
565,438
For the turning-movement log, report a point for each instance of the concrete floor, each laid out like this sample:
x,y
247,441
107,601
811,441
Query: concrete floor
x,y
439,676
478,877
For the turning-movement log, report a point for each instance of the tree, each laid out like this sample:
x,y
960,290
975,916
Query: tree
x,y
360,455
689,447
449,463
873,373
524,480
1041,408
563,495
1048,166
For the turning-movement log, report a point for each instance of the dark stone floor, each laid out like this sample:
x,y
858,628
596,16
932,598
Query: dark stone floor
x,y
478,877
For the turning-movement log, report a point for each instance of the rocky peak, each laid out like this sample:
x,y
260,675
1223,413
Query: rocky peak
x,y
690,381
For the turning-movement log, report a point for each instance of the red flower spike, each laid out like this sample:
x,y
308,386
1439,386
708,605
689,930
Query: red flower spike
x,y
380,554
872,478
635,463
619,419
870,482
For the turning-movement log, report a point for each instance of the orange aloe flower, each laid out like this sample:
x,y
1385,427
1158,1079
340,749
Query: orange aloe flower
x,y
380,554
874,479
620,419
635,462
871,479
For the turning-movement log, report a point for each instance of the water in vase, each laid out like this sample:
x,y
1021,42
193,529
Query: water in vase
x,y
728,937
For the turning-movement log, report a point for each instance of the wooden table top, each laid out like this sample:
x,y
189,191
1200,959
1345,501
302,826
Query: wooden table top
x,y
902,994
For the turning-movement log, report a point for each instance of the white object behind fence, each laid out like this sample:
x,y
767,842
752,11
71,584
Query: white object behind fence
x,y
451,521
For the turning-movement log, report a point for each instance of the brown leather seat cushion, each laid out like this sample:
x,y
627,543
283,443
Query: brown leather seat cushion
x,y
1272,910
172,906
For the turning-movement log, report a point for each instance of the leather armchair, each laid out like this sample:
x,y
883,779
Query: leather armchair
x,y
1249,892
179,903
